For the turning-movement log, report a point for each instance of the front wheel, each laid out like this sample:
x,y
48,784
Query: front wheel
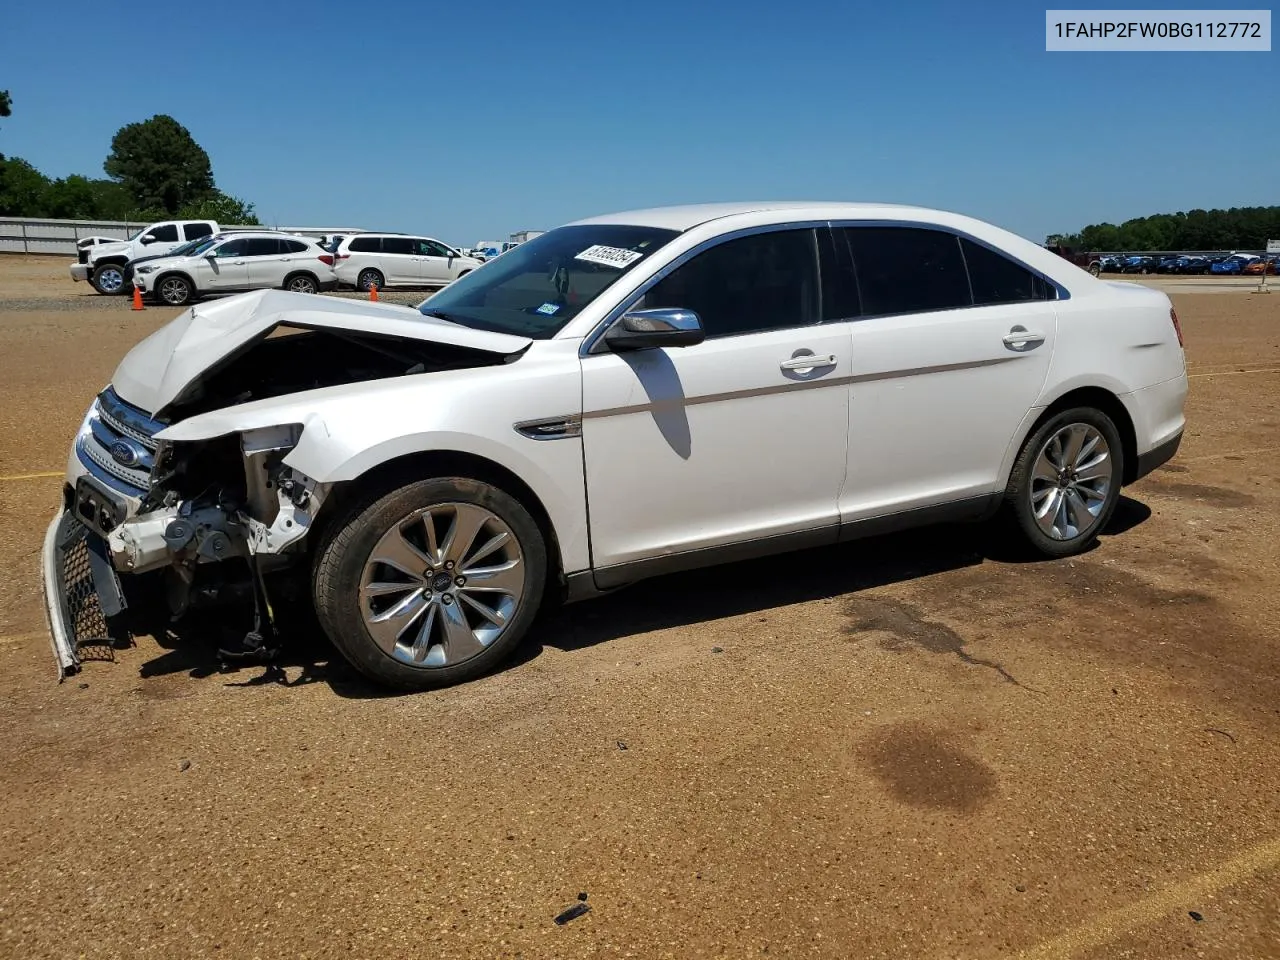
x,y
108,279
432,584
1065,483
175,291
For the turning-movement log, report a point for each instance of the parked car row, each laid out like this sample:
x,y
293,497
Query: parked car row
x,y
178,261
1232,264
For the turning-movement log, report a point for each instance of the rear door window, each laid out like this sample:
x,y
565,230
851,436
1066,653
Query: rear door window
x,y
262,247
997,279
195,231
907,270
397,245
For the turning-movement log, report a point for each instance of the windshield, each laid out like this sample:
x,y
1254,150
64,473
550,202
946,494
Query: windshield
x,y
200,246
536,288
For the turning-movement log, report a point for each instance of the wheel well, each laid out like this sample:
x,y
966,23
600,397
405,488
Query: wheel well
x,y
301,273
387,476
1108,403
155,287
112,261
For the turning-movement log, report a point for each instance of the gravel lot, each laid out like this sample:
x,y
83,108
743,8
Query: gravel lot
x,y
901,748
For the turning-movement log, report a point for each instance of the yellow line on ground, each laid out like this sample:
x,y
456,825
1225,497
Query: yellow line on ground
x,y
1232,373
1180,897
32,476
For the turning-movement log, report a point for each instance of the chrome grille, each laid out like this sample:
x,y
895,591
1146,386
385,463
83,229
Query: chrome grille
x,y
118,448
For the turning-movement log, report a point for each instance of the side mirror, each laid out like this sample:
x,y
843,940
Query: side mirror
x,y
148,239
661,327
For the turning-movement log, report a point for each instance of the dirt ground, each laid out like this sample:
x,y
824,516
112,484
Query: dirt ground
x,y
911,747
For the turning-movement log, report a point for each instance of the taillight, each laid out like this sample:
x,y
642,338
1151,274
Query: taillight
x,y
326,259
1173,315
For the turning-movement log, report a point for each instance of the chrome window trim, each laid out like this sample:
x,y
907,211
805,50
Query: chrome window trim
x,y
591,343
595,338
1062,293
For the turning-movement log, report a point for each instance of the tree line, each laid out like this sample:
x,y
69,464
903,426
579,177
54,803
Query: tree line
x,y
155,171
1238,228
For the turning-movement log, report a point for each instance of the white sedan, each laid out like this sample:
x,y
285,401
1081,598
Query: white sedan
x,y
624,396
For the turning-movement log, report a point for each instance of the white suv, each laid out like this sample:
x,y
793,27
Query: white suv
x,y
620,397
235,262
399,260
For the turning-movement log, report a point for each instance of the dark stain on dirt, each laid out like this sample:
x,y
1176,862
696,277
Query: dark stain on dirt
x,y
921,767
1175,468
907,627
1214,496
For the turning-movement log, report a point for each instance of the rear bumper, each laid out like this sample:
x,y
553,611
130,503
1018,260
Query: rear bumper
x,y
1158,456
79,271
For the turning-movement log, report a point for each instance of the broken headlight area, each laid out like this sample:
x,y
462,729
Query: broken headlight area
x,y
220,519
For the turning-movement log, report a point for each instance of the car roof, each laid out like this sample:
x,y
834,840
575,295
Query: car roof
x,y
686,216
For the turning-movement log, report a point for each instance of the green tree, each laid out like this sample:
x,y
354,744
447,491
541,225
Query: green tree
x,y
160,164
223,208
6,104
23,189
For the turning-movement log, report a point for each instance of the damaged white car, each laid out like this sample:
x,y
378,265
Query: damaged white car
x,y
620,397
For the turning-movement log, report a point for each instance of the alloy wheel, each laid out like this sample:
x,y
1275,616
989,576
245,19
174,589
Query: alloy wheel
x,y
442,585
1070,481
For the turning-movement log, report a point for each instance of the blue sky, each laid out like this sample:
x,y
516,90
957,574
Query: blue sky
x,y
472,120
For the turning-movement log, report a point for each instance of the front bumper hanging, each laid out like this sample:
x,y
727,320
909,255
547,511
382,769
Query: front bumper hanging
x,y
81,592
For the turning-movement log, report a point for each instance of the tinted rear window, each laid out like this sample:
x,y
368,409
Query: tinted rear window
x,y
365,245
907,270
397,245
997,279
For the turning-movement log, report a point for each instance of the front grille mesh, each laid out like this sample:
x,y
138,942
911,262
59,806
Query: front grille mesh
x,y
90,634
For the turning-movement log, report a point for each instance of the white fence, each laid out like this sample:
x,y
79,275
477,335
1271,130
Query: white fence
x,y
29,235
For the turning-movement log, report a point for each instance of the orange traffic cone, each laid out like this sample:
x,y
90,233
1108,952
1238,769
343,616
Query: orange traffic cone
x,y
137,299
373,292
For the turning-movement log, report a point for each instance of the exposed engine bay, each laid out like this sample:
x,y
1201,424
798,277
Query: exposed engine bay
x,y
213,518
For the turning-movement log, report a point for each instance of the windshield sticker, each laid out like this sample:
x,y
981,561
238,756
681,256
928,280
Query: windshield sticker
x,y
609,256
549,308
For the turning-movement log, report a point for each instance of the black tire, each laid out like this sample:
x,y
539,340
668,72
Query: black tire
x,y
1018,508
340,564
369,278
295,281
174,290
101,279
1095,269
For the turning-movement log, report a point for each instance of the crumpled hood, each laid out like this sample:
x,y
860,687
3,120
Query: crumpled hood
x,y
158,369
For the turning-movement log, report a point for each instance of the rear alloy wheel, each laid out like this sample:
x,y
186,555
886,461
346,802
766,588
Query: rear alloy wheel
x,y
109,279
369,279
303,283
1066,482
432,584
174,291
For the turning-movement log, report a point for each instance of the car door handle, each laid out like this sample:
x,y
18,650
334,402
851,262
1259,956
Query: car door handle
x,y
239,263
1021,337
808,362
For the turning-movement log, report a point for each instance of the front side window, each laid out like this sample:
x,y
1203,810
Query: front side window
x,y
907,270
233,248
432,248
397,245
765,281
539,286
168,233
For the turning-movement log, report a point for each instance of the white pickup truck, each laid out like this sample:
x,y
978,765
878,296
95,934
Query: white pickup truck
x,y
104,265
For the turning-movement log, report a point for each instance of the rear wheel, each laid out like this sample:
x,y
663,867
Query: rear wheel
x,y
1066,481
302,283
432,584
369,279
108,279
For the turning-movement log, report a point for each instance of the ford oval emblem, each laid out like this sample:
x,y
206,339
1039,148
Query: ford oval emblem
x,y
125,453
